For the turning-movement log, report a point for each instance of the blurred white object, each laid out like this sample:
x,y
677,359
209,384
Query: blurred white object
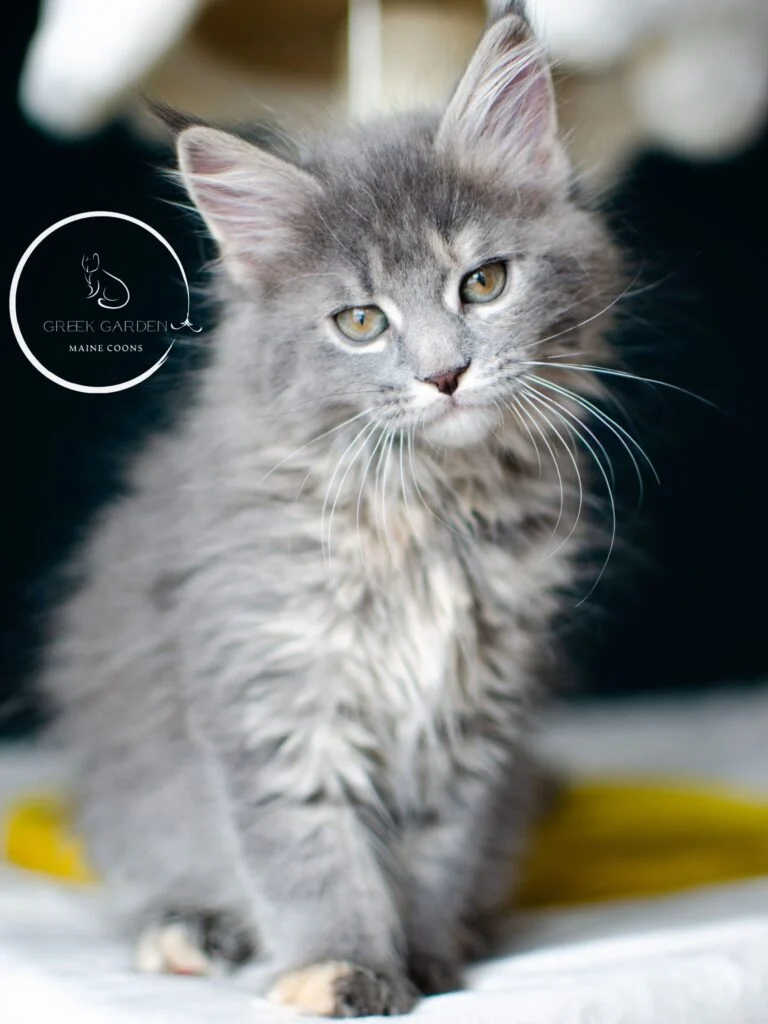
x,y
88,55
690,76
85,54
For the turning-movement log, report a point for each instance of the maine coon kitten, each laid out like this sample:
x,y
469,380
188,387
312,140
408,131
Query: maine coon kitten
x,y
297,672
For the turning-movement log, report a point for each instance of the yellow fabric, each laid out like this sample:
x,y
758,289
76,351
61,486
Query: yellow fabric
x,y
603,840
623,839
38,835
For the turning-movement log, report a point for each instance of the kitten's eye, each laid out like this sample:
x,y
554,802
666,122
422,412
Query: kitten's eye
x,y
484,284
361,323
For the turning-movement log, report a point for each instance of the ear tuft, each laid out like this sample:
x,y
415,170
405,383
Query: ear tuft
x,y
500,8
502,114
174,120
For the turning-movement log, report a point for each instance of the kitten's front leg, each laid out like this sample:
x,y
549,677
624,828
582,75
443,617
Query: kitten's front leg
x,y
326,907
442,854
461,861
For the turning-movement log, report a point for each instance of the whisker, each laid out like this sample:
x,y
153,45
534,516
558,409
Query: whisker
x,y
556,464
303,483
575,463
314,440
215,443
500,413
584,426
419,492
386,454
405,492
513,408
559,411
369,427
377,481
652,286
378,503
413,470
589,319
382,435
616,429
290,411
588,368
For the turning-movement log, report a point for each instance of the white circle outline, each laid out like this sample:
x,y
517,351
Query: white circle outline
x,y
87,389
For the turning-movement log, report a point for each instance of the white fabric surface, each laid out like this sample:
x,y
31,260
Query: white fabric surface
x,y
698,958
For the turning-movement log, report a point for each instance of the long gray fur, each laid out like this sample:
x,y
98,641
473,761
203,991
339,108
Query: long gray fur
x,y
298,673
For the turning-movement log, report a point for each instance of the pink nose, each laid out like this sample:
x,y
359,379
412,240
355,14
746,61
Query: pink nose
x,y
447,382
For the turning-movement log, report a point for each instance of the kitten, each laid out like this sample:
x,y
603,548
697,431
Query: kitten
x,y
299,668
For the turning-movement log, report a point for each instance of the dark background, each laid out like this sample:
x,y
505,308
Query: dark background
x,y
682,608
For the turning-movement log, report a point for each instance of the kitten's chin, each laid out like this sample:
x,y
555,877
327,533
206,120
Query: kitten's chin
x,y
462,427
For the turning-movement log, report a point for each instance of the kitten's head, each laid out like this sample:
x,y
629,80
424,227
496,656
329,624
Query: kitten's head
x,y
411,267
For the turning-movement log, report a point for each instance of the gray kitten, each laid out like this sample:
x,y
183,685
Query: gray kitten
x,y
297,674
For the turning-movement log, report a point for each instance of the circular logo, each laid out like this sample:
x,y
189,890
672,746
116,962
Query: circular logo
x,y
98,300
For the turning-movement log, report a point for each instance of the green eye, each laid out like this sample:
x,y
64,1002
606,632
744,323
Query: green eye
x,y
484,284
361,323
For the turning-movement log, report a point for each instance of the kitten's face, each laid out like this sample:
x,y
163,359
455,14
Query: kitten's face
x,y
427,289
411,269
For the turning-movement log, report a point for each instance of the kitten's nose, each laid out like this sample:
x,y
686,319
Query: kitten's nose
x,y
447,382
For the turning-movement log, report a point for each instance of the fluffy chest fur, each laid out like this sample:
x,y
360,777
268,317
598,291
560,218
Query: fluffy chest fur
x,y
393,624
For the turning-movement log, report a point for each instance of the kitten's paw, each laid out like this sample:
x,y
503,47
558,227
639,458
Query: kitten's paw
x,y
197,944
433,975
171,948
341,989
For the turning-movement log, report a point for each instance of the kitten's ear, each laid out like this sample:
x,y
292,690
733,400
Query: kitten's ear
x,y
248,198
503,114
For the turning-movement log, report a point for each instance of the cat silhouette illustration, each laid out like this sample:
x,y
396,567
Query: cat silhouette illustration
x,y
109,291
